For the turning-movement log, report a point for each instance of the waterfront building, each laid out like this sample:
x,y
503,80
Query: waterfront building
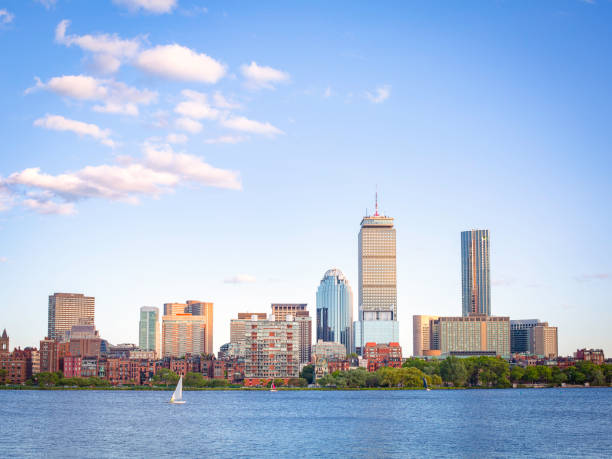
x,y
49,355
237,329
475,269
72,366
272,348
184,329
15,368
149,338
66,310
4,343
335,309
544,339
421,336
382,355
301,316
377,312
520,335
471,333
590,355
329,350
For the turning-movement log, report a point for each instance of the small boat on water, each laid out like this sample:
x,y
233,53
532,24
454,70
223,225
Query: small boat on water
x,y
425,384
273,388
177,396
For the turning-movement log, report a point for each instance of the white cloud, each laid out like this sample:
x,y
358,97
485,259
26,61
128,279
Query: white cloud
x,y
180,63
108,49
176,138
262,76
196,107
116,96
188,125
381,94
48,4
49,207
221,102
226,139
240,279
150,6
6,17
59,123
240,123
160,171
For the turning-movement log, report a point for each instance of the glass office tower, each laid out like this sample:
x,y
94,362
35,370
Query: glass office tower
x,y
335,309
148,337
475,280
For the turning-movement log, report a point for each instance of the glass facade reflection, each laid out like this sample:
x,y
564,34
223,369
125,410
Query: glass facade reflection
x,y
475,280
335,309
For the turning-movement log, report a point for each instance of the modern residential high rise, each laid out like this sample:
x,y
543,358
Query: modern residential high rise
x,y
199,308
68,309
149,338
237,329
300,314
545,341
184,332
421,334
335,309
475,280
377,317
475,333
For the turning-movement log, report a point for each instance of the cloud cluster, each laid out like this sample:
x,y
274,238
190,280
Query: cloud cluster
x,y
381,94
149,6
6,17
592,277
258,77
48,4
240,123
240,279
160,170
59,123
114,96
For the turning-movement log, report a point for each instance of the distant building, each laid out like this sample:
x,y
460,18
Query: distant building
x,y
149,338
471,333
272,348
4,343
520,331
237,329
382,355
590,355
67,310
301,316
49,355
224,351
475,273
545,342
335,309
531,336
377,317
72,366
186,329
329,350
421,335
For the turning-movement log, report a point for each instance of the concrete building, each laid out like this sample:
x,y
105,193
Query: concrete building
x,y
545,341
377,313
335,309
184,332
66,310
329,350
237,328
301,316
272,348
149,337
475,273
471,333
382,355
421,336
49,355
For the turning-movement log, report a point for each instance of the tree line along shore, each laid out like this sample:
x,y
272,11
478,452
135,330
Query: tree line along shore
x,y
449,373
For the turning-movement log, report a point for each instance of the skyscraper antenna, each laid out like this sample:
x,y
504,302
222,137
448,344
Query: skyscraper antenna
x,y
376,202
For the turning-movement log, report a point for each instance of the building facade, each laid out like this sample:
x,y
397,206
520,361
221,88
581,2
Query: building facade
x,y
184,332
377,311
545,342
237,328
329,350
382,355
421,335
300,314
68,309
148,331
472,333
335,309
475,273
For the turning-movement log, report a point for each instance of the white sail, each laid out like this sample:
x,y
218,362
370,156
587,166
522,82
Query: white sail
x,y
178,392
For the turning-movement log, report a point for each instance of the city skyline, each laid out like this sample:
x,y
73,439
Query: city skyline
x,y
243,181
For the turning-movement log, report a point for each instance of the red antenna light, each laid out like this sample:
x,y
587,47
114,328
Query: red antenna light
x,y
376,200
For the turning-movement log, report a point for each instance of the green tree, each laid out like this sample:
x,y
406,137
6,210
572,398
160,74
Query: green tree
x,y
452,370
194,380
372,380
530,375
308,373
516,373
166,376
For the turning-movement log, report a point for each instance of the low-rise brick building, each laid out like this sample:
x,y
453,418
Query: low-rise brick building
x,y
382,355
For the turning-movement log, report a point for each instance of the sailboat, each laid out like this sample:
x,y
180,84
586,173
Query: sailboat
x,y
273,388
425,384
177,396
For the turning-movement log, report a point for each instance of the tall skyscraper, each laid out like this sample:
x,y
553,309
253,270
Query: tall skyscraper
x,y
421,334
335,309
377,320
68,309
199,308
300,314
475,280
184,332
149,336
237,346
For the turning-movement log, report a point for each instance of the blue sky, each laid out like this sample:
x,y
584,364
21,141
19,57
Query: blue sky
x,y
158,151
